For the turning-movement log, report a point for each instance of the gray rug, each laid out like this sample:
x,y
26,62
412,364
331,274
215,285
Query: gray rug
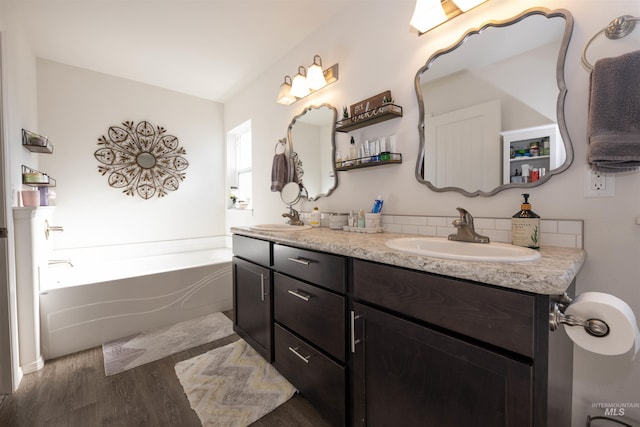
x,y
232,386
149,346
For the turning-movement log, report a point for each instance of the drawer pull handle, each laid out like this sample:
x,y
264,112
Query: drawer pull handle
x,y
354,341
300,261
299,295
295,351
261,287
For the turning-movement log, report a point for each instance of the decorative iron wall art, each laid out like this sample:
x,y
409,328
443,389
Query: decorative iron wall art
x,y
141,159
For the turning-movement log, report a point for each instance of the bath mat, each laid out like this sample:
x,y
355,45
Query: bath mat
x,y
232,386
149,346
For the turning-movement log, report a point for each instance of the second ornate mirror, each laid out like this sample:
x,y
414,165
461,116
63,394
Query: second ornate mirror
x,y
312,135
492,106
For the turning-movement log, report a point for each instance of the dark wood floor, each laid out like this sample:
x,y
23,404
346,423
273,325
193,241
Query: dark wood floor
x,y
74,391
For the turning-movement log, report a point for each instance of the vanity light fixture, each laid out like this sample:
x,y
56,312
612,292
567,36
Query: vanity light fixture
x,y
428,14
300,87
306,82
315,76
284,95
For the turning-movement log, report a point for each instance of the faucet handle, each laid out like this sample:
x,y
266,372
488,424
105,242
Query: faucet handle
x,y
465,216
50,228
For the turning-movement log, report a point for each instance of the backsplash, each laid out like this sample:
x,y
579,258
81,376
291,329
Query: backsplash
x,y
554,232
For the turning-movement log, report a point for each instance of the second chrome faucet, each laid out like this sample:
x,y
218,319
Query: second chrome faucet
x,y
466,231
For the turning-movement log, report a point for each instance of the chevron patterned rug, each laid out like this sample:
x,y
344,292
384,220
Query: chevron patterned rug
x,y
232,386
149,346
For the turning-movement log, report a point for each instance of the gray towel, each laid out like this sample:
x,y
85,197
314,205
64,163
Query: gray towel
x,y
279,174
614,114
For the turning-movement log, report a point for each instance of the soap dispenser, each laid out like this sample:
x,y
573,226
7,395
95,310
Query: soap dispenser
x,y
525,226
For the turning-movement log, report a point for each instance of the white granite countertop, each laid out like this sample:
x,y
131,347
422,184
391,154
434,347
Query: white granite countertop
x,y
551,274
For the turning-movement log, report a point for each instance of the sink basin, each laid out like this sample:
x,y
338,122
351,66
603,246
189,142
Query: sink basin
x,y
443,248
279,227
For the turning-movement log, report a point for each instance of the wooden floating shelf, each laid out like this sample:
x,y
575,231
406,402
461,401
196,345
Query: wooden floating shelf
x,y
377,115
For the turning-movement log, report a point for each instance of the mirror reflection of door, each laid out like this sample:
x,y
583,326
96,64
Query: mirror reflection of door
x,y
462,147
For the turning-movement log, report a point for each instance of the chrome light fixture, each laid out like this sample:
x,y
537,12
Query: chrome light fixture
x,y
428,14
300,87
315,75
465,5
306,82
284,95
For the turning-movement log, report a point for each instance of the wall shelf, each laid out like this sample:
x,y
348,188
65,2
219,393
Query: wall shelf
x,y
367,162
550,149
36,143
34,178
370,117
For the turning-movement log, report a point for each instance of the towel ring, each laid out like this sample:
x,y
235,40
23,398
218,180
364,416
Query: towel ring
x,y
282,143
620,27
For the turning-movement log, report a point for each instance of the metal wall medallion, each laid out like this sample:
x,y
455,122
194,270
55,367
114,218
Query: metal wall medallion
x,y
141,159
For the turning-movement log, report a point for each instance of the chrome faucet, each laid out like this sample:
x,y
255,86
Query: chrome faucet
x,y
60,261
466,231
48,229
294,217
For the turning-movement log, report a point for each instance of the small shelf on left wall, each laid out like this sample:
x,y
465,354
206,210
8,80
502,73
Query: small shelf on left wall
x,y
36,143
34,178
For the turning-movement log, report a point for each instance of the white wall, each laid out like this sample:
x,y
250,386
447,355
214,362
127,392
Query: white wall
x,y
18,111
376,51
76,107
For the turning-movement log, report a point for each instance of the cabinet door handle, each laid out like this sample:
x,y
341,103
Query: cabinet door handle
x,y
261,287
300,261
300,295
295,351
354,341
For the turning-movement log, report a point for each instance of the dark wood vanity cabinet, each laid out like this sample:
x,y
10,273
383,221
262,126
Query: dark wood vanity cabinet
x,y
435,351
310,310
252,294
378,345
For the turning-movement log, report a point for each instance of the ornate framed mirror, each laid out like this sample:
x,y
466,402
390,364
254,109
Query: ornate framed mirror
x,y
312,136
492,103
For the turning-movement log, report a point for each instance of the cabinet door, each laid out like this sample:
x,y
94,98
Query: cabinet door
x,y
252,306
409,375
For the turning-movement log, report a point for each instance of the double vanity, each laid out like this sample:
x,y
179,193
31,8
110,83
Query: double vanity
x,y
391,329
374,335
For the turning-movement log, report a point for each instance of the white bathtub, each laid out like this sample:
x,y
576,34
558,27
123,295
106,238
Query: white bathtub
x,y
112,292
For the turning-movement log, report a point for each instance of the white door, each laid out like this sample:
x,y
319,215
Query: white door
x,y
463,148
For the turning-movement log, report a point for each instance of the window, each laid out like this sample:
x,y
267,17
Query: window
x,y
239,163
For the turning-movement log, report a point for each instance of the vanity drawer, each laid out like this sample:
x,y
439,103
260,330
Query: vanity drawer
x,y
318,378
499,317
318,268
313,313
256,250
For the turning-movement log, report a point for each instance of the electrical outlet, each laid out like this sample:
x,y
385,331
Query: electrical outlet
x,y
598,184
598,181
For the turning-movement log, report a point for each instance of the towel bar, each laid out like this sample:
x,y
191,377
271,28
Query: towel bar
x,y
617,29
